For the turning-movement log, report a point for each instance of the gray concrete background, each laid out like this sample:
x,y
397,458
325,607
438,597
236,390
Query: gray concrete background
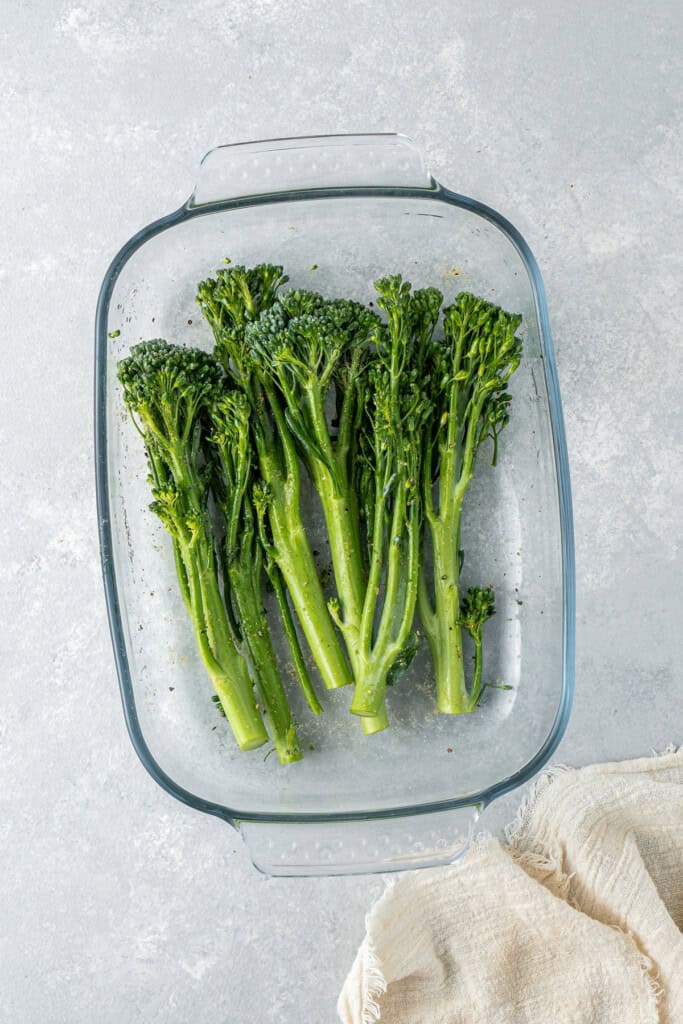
x,y
118,904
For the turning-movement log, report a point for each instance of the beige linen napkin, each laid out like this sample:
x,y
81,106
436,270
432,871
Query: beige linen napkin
x,y
579,920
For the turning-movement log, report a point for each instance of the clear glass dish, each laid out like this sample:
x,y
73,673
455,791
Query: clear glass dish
x,y
353,206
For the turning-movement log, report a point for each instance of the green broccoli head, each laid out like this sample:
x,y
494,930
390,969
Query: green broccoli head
x,y
426,306
484,339
303,338
167,507
166,387
477,606
238,295
481,351
229,417
398,398
299,302
230,414
411,315
235,297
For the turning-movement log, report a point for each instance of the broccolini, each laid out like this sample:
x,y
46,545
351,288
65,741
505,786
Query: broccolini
x,y
310,347
469,373
389,462
167,390
232,301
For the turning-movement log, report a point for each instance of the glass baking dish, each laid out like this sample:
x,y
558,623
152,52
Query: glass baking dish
x,y
337,211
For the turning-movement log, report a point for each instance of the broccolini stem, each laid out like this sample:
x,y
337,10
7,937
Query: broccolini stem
x,y
233,624
294,558
449,468
349,417
425,606
198,617
237,700
301,347
395,561
182,576
340,509
368,697
442,626
227,670
293,555
375,548
217,624
475,688
392,469
342,520
411,576
343,529
292,473
392,634
292,637
245,581
375,723
230,460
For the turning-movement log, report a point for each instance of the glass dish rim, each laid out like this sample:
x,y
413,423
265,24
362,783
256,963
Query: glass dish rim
x,y
433,192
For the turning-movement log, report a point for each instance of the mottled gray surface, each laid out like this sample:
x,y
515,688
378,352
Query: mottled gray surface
x,y
117,903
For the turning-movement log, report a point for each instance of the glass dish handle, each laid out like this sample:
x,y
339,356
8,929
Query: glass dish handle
x,y
360,847
313,162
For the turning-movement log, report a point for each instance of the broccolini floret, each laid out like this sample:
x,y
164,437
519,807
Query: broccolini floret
x,y
476,607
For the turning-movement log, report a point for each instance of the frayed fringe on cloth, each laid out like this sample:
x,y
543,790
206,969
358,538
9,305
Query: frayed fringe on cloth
x,y
543,864
376,984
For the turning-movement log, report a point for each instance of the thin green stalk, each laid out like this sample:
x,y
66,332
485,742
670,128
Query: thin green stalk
x,y
293,555
394,558
181,573
375,723
477,606
340,510
367,653
234,302
442,623
246,585
343,530
396,621
475,688
292,638
301,347
294,558
410,581
443,630
227,670
375,547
